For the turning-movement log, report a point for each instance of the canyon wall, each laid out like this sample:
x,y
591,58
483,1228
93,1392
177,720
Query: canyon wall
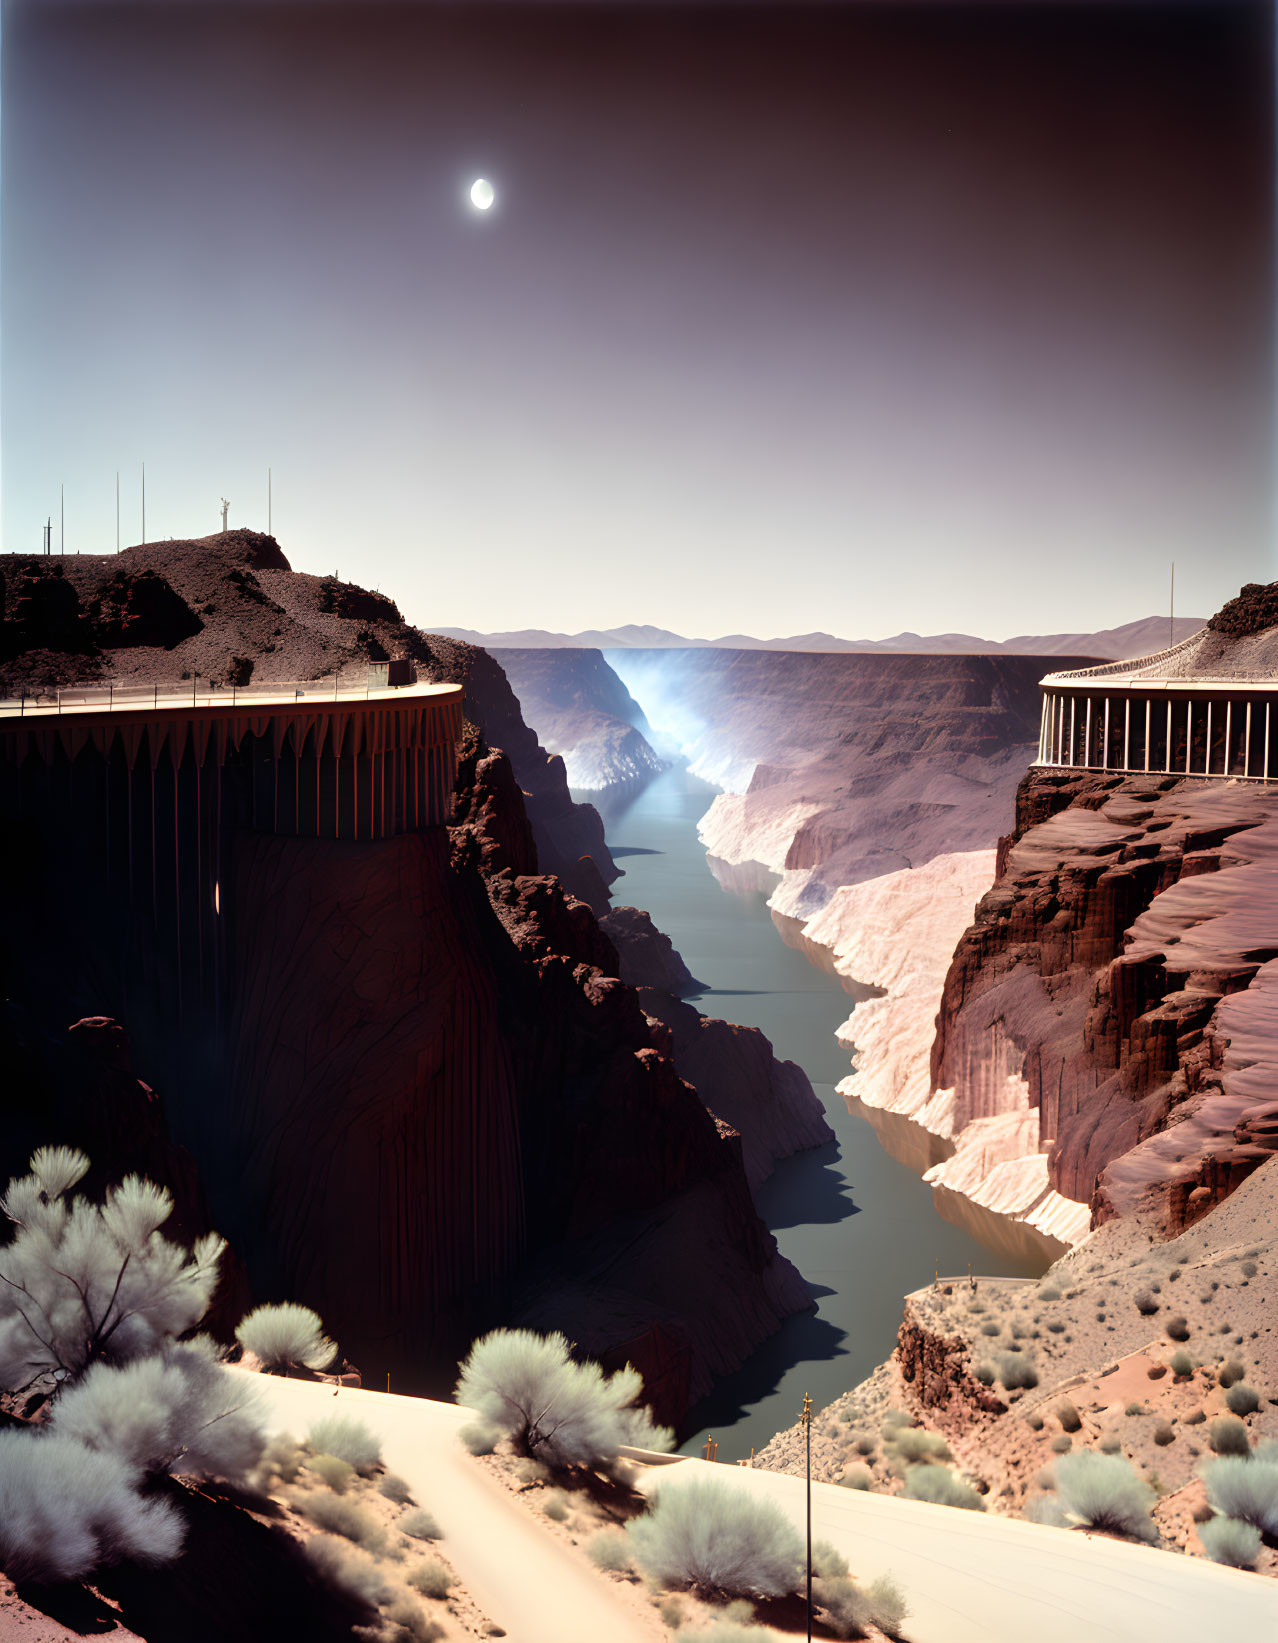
x,y
421,1098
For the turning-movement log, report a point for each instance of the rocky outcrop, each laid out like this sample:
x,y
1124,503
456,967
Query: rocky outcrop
x,y
1117,985
939,1367
647,956
770,1103
581,710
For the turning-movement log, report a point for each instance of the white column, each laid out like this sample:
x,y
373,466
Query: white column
x,y
1229,719
1087,734
1266,741
1105,747
1207,747
1148,716
1247,744
1167,750
1042,733
1060,729
1127,732
1072,701
1189,730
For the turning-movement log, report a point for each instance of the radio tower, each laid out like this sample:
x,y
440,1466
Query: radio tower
x,y
225,506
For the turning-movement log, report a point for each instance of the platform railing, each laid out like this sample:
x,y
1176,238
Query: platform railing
x,y
191,693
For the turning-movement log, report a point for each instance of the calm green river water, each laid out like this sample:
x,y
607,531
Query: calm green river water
x,y
859,1226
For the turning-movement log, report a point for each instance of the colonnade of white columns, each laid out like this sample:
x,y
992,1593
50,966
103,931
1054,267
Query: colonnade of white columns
x,y
1241,750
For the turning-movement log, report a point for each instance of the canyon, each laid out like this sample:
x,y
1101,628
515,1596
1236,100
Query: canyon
x,y
425,1100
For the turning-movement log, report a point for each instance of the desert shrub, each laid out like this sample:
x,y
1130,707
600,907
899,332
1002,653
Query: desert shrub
x,y
1062,1443
1228,1436
1227,1540
1015,1371
856,1477
1035,1422
985,1373
865,1446
350,1440
430,1577
82,1282
671,1612
1049,1292
915,1443
528,1470
355,1572
1164,1433
66,1509
1243,1488
286,1336
342,1516
609,1550
1110,1443
828,1561
942,1487
331,1470
282,1458
413,1620
893,1418
1242,1399
1135,1409
1230,1372
1195,1417
1069,1417
1047,1509
1104,1492
717,1538
1177,1329
1249,1269
396,1489
478,1438
420,1525
1182,1365
1056,1327
555,1506
569,1414
990,1327
1145,1303
850,1608
175,1411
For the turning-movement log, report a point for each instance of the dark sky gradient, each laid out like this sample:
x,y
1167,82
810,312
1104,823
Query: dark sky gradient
x,y
855,318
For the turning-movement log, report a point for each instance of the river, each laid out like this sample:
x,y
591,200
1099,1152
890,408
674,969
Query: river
x,y
861,1227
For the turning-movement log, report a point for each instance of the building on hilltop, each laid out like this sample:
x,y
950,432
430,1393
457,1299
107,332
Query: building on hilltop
x,y
1206,707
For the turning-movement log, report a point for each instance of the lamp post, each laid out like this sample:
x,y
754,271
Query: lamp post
x,y
806,1418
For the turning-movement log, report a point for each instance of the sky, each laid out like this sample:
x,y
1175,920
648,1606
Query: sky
x,y
847,318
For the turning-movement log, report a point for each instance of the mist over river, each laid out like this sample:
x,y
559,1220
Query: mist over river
x,y
861,1227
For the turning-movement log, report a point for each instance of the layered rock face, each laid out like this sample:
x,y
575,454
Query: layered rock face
x,y
1115,998
581,711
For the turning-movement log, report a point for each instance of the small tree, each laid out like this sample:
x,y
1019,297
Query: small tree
x,y
286,1336
718,1539
569,1414
81,1284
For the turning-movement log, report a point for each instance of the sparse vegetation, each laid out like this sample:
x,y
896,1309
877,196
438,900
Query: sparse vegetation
x,y
1069,1417
355,1572
1182,1365
555,1506
478,1437
916,1443
395,1488
1242,1399
286,1336
420,1525
1228,1436
340,1515
528,1387
1104,1492
1227,1540
1245,1488
430,1578
1230,1372
350,1440
331,1470
718,1539
942,1487
1177,1329
1145,1303
850,1608
1016,1371
609,1550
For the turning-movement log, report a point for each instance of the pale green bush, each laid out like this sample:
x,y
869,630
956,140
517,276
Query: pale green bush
x,y
354,1572
420,1525
395,1488
340,1515
609,1550
1104,1492
1242,1399
1228,1436
349,1439
286,1336
717,1538
329,1469
941,1486
1240,1487
1228,1540
430,1577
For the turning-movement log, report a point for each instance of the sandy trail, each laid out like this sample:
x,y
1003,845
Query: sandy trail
x,y
520,1576
970,1577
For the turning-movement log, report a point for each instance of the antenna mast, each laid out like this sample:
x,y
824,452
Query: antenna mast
x,y
1171,610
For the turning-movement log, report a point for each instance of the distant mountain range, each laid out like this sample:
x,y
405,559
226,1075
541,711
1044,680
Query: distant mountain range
x,y
1140,638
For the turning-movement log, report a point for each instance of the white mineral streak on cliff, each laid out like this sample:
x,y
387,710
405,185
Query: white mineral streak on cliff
x,y
736,831
899,933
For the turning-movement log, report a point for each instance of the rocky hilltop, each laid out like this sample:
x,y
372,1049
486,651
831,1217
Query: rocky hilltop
x,y
427,1101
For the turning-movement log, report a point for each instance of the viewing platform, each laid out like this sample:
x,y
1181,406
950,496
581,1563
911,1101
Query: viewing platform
x,y
1204,707
331,758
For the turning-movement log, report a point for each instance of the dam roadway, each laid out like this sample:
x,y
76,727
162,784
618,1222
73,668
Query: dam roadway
x,y
968,1577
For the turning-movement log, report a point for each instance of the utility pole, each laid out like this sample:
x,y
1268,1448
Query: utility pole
x,y
144,504
806,1418
225,506
117,510
62,519
48,538
269,530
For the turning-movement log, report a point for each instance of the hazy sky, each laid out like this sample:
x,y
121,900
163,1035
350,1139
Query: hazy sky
x,y
850,318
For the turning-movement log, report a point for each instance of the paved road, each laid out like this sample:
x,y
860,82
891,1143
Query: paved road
x,y
521,1576
971,1577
